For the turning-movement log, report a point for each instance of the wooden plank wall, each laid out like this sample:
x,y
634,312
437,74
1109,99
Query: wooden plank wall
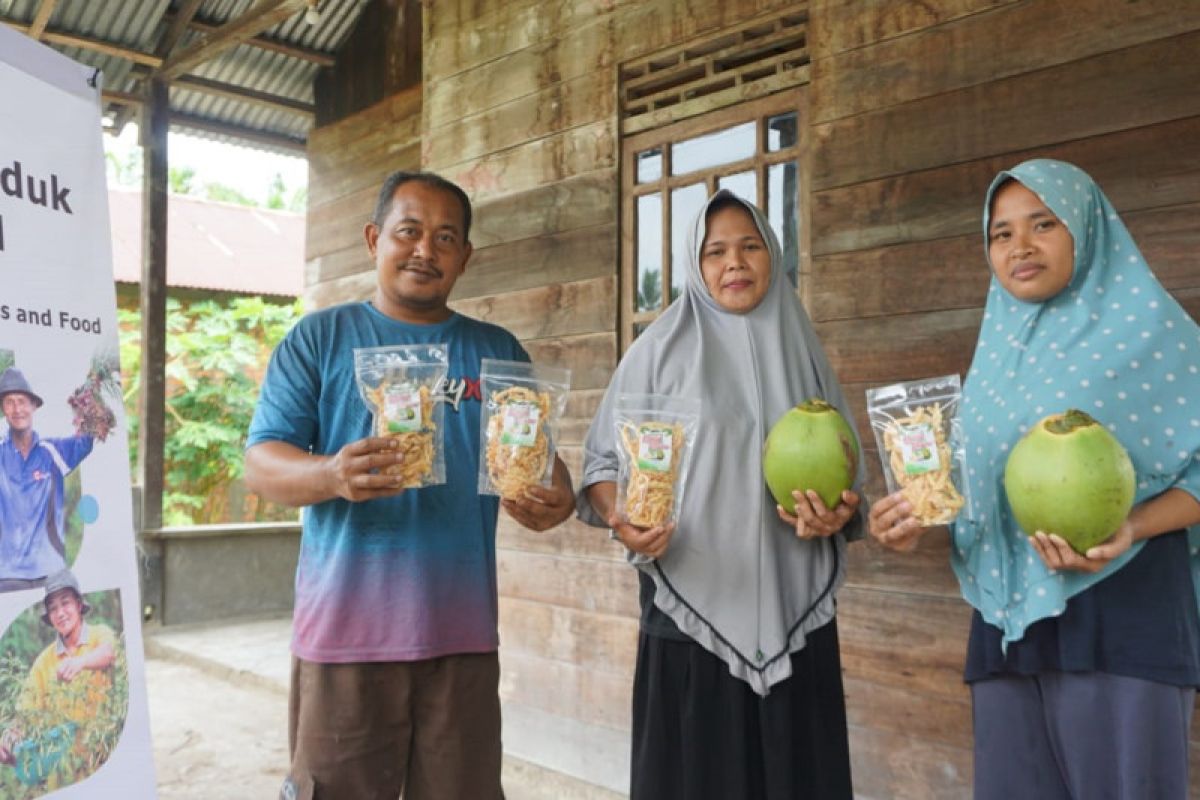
x,y
915,106
520,108
381,57
347,162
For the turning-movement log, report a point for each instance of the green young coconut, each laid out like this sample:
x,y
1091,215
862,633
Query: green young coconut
x,y
810,447
1070,476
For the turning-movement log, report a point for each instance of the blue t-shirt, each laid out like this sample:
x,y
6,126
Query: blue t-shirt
x,y
401,578
32,517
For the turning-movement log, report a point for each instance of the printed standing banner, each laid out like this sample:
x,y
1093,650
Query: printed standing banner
x,y
73,713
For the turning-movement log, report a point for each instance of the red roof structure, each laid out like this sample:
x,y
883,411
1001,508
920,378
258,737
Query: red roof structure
x,y
213,246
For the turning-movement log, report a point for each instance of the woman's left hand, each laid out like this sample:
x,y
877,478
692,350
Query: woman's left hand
x,y
813,520
1057,554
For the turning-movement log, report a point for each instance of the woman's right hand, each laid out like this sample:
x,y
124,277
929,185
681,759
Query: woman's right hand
x,y
650,542
892,524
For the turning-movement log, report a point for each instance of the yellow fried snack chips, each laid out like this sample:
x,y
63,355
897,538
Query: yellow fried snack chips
x,y
915,425
399,385
920,459
522,403
654,450
407,416
518,448
655,434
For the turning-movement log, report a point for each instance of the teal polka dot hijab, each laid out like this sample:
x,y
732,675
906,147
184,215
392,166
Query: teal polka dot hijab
x,y
1114,344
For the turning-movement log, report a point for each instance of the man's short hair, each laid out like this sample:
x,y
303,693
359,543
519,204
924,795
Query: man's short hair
x,y
397,179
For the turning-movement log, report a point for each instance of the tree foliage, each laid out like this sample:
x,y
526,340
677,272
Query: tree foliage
x,y
650,293
180,180
216,355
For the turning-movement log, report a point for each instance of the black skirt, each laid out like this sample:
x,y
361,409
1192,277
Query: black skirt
x,y
700,733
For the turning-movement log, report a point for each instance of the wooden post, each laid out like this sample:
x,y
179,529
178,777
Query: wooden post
x,y
153,133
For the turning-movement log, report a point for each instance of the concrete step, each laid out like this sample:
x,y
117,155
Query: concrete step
x,y
255,654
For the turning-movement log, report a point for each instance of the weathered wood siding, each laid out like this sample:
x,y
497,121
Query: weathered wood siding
x,y
380,58
347,162
520,108
915,106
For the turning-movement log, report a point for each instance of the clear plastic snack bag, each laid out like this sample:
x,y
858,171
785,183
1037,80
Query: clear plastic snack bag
x,y
398,383
522,404
919,435
655,435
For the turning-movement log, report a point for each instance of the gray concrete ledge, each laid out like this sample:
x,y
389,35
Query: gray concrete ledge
x,y
546,757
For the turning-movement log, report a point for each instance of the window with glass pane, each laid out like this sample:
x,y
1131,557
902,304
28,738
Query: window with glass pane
x,y
752,149
649,165
743,184
649,253
686,203
782,191
712,150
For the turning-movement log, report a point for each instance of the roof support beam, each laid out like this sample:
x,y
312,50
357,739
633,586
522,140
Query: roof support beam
x,y
127,99
152,60
256,20
152,394
266,43
41,18
151,431
270,141
231,92
95,45
178,25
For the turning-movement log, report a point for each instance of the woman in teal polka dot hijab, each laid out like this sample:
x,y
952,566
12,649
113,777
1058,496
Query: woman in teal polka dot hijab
x,y
1111,342
1083,667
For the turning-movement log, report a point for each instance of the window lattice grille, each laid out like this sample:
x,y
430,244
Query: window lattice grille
x,y
756,58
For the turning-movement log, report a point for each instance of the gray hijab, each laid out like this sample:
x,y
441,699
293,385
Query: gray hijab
x,y
735,578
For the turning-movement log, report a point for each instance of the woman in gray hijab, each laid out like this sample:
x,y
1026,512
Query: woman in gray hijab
x,y
738,691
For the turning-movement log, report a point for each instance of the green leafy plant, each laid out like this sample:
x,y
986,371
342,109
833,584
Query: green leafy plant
x,y
216,355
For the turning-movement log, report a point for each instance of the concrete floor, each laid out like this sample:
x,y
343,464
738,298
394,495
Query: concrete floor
x,y
218,715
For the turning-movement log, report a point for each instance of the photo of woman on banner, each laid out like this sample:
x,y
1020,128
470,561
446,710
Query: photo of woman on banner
x,y
61,716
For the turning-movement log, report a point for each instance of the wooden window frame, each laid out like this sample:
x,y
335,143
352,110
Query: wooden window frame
x,y
758,111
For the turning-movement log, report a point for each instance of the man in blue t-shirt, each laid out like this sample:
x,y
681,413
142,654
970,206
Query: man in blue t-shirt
x,y
32,473
394,673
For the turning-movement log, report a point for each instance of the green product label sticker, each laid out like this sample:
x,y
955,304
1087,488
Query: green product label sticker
x,y
919,449
402,409
654,448
519,424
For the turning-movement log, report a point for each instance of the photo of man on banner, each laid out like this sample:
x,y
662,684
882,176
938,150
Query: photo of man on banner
x,y
33,471
61,719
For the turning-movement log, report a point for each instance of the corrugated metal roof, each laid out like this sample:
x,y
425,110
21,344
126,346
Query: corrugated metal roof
x,y
214,246
139,25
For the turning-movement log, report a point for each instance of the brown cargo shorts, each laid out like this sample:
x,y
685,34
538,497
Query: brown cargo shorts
x,y
429,729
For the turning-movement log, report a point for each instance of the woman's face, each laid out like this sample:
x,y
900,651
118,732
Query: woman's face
x,y
1031,250
734,260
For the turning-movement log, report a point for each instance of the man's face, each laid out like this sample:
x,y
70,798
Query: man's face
x,y
18,410
419,250
65,610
